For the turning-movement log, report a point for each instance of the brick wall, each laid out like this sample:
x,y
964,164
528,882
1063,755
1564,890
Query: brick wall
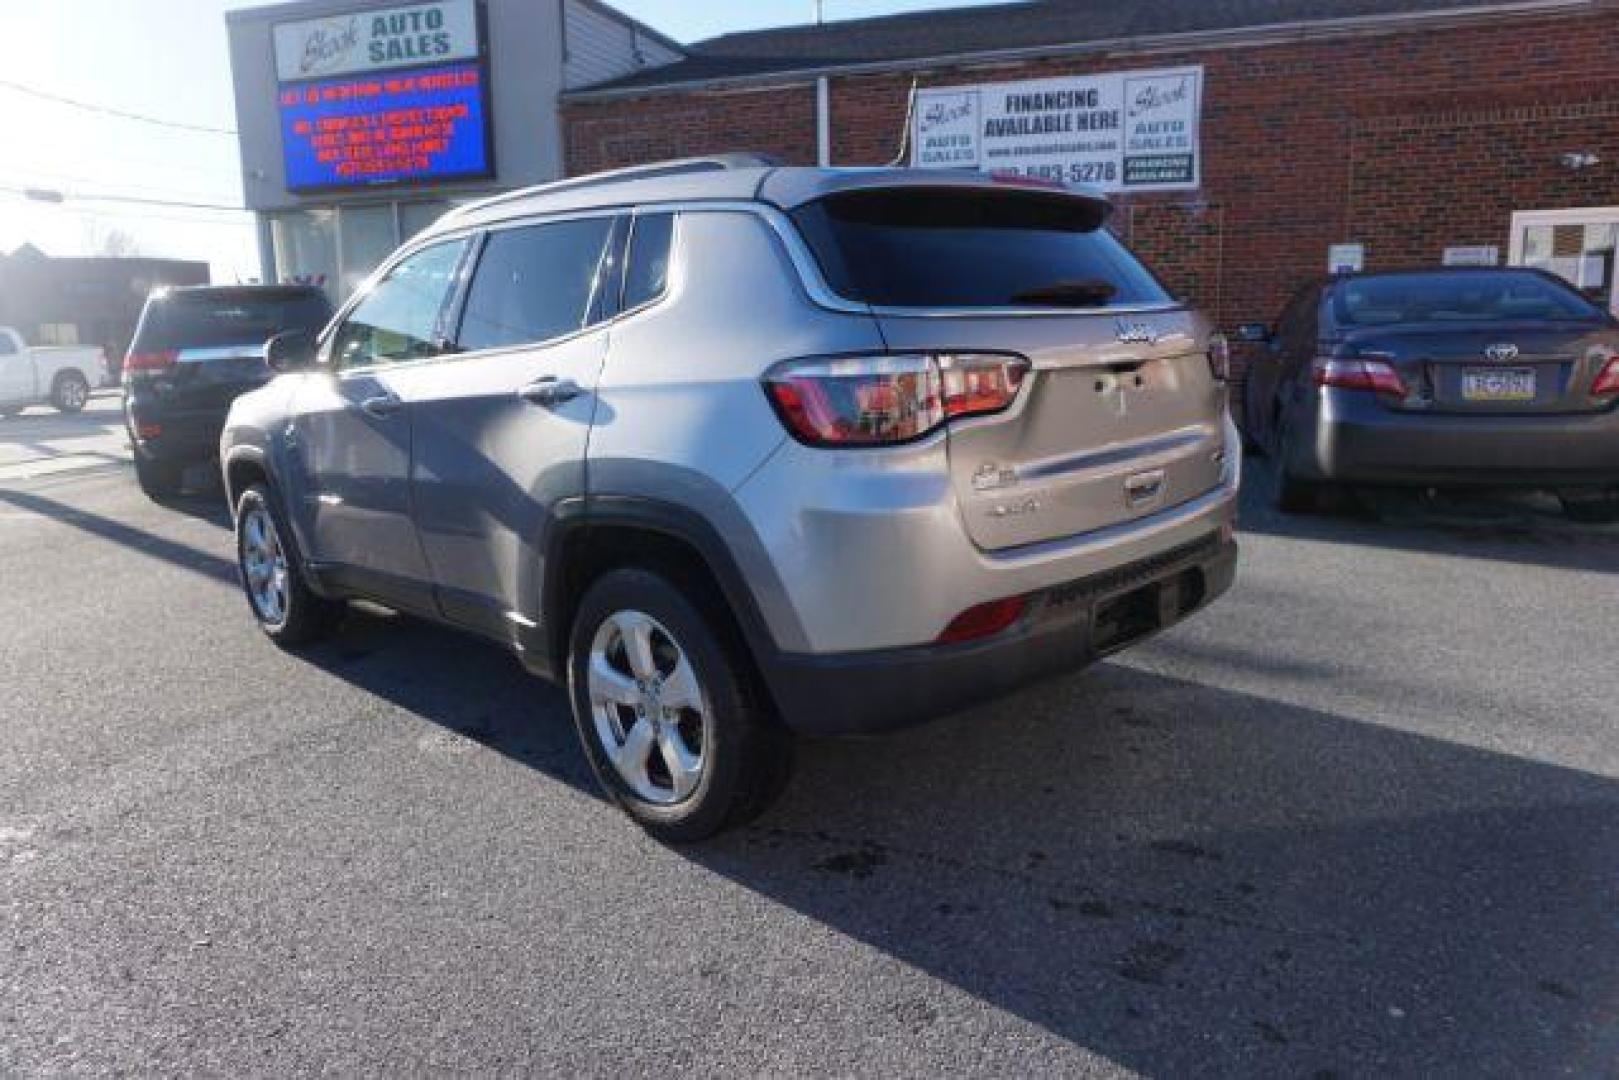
x,y
1406,142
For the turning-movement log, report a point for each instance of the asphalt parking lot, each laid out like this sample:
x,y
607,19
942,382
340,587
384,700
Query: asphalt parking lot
x,y
1360,818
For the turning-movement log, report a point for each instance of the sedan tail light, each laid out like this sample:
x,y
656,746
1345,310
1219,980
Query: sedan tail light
x,y
1607,384
148,362
886,399
1378,376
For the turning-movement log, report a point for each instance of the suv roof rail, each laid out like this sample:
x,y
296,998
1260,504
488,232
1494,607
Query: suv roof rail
x,y
652,171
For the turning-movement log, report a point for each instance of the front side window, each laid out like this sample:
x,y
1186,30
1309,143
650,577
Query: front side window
x,y
399,318
534,283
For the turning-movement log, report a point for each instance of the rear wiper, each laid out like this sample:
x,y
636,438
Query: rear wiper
x,y
1088,292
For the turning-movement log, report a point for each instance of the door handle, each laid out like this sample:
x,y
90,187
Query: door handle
x,y
382,405
550,391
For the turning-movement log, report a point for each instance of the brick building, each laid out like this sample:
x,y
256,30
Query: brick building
x,y
84,301
1407,127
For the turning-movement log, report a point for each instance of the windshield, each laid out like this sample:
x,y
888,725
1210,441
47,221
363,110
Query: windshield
x,y
1471,296
974,248
181,321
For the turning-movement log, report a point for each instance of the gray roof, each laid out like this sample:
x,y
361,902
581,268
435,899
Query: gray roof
x,y
1026,25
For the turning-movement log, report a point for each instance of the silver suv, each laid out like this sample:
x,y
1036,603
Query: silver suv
x,y
737,451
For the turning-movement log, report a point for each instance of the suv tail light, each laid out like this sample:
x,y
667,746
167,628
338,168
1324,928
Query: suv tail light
x,y
887,399
149,362
1350,374
1607,384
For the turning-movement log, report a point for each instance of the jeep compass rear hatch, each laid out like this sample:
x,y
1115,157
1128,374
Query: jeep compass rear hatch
x,y
1119,416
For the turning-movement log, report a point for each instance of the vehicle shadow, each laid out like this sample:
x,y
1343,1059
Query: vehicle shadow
x,y
1179,878
1188,880
174,552
1502,526
465,686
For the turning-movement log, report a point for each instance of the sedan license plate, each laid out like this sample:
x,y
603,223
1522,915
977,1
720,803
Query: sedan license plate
x,y
1498,384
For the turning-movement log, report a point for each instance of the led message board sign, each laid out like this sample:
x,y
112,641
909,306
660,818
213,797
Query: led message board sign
x,y
384,96
427,124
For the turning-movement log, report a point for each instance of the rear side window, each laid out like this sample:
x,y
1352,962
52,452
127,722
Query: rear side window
x,y
941,248
646,276
1458,296
225,317
535,283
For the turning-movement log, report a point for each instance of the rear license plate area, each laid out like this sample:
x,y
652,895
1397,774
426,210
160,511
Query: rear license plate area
x,y
1128,617
1498,384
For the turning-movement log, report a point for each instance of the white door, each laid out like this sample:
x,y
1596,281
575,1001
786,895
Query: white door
x,y
1577,245
16,372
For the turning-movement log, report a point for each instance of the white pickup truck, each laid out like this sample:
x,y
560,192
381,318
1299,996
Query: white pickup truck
x,y
59,374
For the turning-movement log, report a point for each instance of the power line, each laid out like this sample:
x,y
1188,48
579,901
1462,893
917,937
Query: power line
x,y
47,195
121,114
157,202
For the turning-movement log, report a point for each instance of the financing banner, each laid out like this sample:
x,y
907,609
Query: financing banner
x,y
1122,131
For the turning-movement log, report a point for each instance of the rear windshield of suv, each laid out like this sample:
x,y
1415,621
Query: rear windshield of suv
x,y
1458,296
972,249
201,320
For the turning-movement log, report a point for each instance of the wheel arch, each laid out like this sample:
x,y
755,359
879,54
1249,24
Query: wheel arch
x,y
592,536
243,467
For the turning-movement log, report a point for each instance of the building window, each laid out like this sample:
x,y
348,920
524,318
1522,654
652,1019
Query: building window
x,y
365,238
306,246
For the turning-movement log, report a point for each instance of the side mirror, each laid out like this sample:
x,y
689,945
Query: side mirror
x,y
290,350
1254,333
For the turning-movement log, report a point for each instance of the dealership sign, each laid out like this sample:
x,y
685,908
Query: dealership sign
x,y
384,96
1123,131
376,40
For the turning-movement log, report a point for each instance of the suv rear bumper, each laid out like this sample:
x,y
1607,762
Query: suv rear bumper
x,y
1361,441
187,435
1066,627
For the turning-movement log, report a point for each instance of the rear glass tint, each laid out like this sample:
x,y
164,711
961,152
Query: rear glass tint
x,y
199,320
932,248
1458,296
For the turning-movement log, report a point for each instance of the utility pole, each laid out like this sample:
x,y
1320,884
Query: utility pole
x,y
820,11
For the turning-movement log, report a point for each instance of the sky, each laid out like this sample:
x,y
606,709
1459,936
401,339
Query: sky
x,y
168,59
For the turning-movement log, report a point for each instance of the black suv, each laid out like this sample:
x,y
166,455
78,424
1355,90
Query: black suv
x,y
195,350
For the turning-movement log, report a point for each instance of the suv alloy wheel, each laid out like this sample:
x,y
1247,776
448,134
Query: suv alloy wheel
x,y
666,709
272,574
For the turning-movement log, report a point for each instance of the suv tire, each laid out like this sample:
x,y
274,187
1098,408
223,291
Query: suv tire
x,y
668,694
272,575
158,479
70,392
